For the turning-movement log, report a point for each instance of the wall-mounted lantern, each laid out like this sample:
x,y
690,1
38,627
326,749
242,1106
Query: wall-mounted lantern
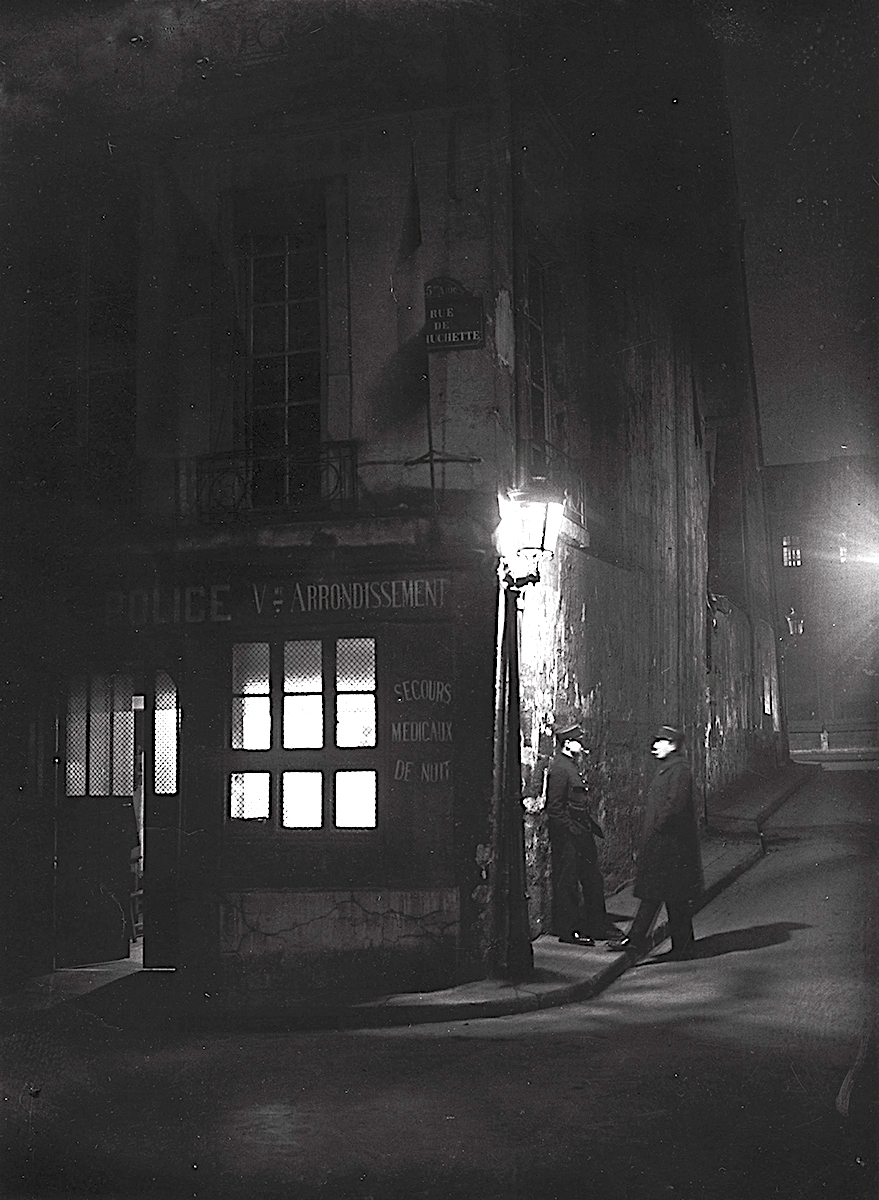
x,y
530,522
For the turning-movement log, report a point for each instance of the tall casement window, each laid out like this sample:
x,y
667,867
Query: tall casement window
x,y
282,245
791,552
536,378
303,733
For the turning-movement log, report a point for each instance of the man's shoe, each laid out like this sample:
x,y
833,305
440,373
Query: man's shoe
x,y
577,939
623,945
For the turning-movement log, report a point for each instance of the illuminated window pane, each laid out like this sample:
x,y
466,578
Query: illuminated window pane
x,y
122,783
791,552
165,736
303,722
302,667
302,800
355,799
251,723
123,753
100,733
355,665
77,732
249,795
250,669
355,720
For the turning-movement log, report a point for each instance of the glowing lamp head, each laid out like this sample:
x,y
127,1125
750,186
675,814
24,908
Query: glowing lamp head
x,y
529,528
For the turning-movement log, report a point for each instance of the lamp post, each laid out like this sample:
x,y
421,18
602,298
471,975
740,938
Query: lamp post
x,y
528,532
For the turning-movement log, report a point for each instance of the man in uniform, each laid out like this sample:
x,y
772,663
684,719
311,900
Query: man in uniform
x,y
578,911
669,865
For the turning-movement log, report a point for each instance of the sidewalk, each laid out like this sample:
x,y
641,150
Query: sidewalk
x,y
732,843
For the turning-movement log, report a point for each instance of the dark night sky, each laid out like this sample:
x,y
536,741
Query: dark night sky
x,y
802,80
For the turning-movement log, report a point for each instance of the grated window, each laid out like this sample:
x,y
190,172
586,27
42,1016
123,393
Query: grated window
x,y
322,775
166,719
100,736
303,696
251,696
355,692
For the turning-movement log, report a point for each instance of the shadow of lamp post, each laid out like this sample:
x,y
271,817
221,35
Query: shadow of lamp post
x,y
530,522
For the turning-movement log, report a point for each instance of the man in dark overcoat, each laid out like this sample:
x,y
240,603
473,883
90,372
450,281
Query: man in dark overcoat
x,y
669,865
578,910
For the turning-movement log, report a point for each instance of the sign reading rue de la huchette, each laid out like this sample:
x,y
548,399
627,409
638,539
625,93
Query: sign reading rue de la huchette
x,y
454,318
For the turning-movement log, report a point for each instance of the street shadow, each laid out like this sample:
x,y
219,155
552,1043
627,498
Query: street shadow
x,y
737,940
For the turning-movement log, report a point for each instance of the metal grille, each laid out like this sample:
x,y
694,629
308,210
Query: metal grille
x,y
100,736
122,737
355,665
165,736
77,736
228,486
302,667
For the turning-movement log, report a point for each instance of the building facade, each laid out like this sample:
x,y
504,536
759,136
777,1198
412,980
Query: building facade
x,y
825,555
278,342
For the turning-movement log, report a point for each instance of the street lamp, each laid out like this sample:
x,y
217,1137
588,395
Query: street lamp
x,y
530,522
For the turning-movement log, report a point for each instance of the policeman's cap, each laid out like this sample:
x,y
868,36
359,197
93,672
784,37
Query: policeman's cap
x,y
668,733
566,726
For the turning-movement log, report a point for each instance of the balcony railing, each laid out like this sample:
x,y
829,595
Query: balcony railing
x,y
239,485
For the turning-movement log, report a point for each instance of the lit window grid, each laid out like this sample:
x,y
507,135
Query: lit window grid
x,y
355,804
306,695
355,799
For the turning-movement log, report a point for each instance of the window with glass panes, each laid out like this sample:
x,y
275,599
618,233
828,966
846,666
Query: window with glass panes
x,y
99,751
283,257
304,734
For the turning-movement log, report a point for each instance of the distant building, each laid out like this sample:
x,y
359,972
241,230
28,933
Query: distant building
x,y
288,306
825,539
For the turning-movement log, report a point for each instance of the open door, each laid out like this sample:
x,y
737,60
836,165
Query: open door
x,y
97,843
118,820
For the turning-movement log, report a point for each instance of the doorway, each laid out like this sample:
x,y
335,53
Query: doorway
x,y
117,819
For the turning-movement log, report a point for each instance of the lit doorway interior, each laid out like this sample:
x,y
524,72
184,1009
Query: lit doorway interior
x,y
118,755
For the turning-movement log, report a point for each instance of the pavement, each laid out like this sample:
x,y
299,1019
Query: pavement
x,y
733,841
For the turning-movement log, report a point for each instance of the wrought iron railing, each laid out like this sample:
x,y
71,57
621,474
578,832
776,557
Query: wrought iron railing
x,y
234,485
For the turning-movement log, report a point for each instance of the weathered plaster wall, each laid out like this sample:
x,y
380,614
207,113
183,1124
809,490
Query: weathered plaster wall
x,y
283,944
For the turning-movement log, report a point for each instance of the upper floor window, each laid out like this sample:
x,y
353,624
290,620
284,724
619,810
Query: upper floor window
x,y
282,244
791,553
81,316
306,712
